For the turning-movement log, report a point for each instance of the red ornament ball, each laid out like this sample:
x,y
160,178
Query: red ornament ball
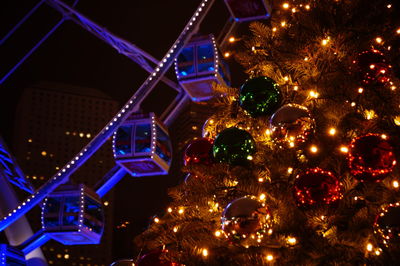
x,y
387,224
371,157
315,187
198,151
373,67
154,258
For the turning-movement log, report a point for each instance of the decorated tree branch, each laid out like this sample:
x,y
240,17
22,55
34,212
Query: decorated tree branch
x,y
298,165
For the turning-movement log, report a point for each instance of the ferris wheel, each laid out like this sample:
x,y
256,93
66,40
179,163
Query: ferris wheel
x,y
141,144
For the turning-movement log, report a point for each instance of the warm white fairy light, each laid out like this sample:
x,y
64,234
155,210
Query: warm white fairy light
x,y
307,7
262,196
217,233
290,170
295,88
291,240
332,131
285,5
270,257
314,94
205,252
378,40
249,157
398,31
227,54
360,90
314,149
291,144
306,58
261,180
283,23
353,104
344,149
175,229
169,209
294,10
325,41
181,210
274,29
383,136
232,39
395,183
156,220
286,78
369,247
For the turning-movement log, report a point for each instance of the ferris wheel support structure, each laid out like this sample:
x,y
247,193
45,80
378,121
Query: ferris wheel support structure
x,y
132,105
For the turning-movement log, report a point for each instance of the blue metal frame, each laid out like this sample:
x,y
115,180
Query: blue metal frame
x,y
11,170
132,105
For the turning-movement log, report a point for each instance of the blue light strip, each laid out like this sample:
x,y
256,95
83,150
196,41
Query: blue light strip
x,y
110,180
35,241
31,51
131,106
11,32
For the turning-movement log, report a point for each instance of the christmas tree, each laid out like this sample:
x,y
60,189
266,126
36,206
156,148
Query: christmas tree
x,y
298,165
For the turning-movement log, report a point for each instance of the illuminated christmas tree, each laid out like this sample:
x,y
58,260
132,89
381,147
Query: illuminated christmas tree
x,y
298,165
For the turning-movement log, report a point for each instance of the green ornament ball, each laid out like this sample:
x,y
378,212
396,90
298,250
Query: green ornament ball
x,y
260,96
233,146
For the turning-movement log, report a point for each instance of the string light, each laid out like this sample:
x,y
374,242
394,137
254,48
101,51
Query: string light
x,y
295,88
344,149
324,42
274,29
156,220
293,10
307,7
313,149
217,233
286,78
291,144
283,23
396,120
378,40
262,196
285,5
395,184
332,131
181,210
353,104
369,247
290,170
205,252
360,90
389,6
232,39
306,58
175,229
291,240
270,257
393,87
227,54
169,209
314,94
261,179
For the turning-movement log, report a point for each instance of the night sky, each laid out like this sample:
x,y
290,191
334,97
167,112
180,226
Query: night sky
x,y
73,56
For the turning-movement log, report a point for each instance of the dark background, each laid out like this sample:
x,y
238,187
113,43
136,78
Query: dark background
x,y
71,55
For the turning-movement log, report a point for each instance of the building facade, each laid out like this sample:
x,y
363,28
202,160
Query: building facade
x,y
53,123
